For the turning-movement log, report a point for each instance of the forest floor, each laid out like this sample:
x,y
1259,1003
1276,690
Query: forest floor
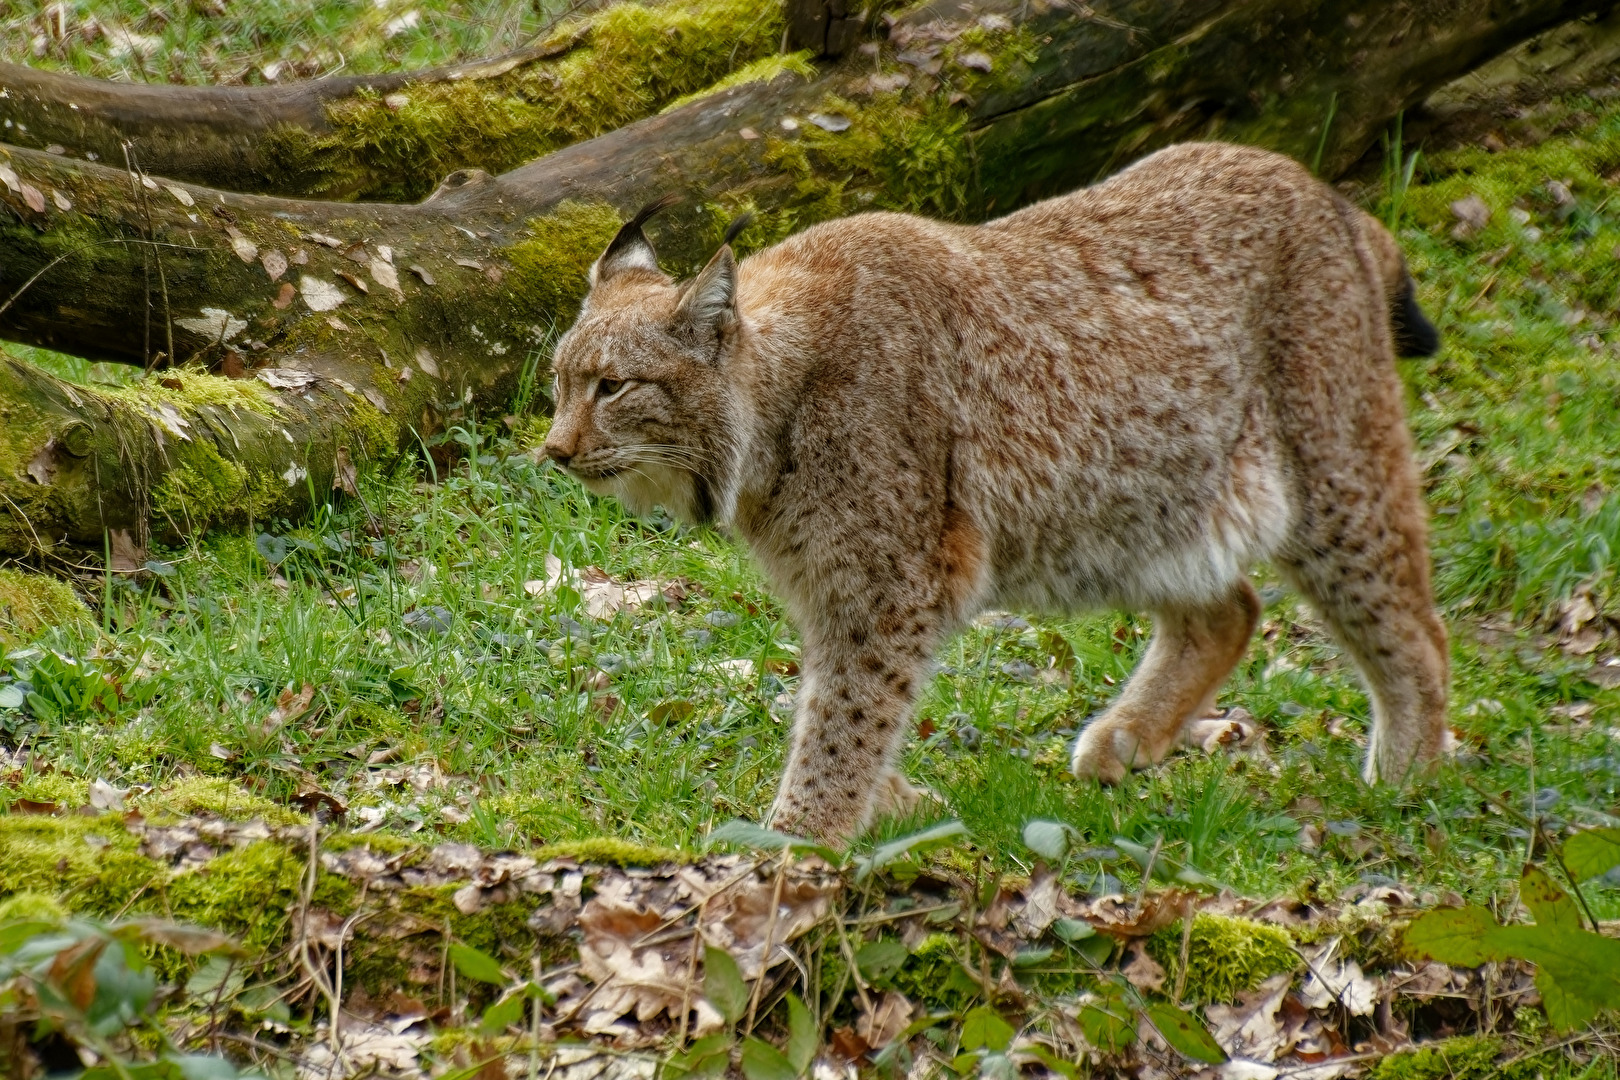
x,y
489,656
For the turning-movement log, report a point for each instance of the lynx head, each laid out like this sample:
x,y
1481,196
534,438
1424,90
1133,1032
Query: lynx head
x,y
644,411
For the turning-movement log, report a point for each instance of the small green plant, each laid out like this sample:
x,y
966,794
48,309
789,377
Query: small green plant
x,y
1399,169
1577,970
90,983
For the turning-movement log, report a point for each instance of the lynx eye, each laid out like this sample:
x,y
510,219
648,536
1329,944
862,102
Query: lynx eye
x,y
606,388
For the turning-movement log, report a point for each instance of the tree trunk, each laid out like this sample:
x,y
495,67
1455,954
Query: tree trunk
x,y
440,303
393,137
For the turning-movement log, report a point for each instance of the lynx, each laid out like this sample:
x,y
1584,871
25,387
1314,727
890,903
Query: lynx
x,y
1120,398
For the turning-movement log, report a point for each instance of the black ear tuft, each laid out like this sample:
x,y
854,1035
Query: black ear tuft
x,y
631,235
735,229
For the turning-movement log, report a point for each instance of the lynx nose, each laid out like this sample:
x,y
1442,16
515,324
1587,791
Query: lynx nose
x,y
556,452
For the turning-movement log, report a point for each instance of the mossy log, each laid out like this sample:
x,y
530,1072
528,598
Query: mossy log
x,y
393,137
391,316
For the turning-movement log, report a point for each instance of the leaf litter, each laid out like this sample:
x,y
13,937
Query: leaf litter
x,y
654,954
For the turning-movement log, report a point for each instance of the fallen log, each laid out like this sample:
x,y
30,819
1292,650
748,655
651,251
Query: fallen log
x,y
393,137
332,307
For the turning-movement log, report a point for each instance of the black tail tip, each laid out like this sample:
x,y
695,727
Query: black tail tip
x,y
1415,335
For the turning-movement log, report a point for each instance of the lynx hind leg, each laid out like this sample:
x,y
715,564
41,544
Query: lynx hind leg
x,y
1192,652
1369,579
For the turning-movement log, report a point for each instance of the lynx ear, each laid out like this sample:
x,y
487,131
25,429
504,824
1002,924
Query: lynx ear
x,y
631,249
707,309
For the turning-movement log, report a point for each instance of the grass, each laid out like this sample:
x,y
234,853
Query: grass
x,y
258,41
451,698
407,614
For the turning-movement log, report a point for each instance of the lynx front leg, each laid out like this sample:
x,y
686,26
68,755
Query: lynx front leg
x,y
853,707
1192,653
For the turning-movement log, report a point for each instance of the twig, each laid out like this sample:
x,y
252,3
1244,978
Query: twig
x,y
770,933
691,977
854,968
1553,847
1147,870
1186,952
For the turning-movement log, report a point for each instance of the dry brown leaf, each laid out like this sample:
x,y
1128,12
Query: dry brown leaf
x,y
290,705
1141,970
1251,1028
284,298
888,1017
127,555
344,476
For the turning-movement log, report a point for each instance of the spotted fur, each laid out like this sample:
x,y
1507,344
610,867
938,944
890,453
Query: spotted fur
x,y
1124,397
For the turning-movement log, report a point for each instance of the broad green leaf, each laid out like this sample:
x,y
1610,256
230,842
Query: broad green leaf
x,y
746,834
917,843
1048,839
803,1040
1031,957
1451,936
503,1014
215,975
123,992
477,965
201,1067
762,1061
965,1064
997,1067
1107,1026
1067,1069
1585,966
881,958
1073,929
708,1057
1592,852
1186,1034
723,984
14,934
984,1029
1565,1011
1548,904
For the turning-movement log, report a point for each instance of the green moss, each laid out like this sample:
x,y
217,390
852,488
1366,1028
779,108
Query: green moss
x,y
91,864
633,60
1468,1057
899,153
201,488
31,604
610,851
32,907
764,69
52,787
1225,956
548,271
246,891
933,974
216,797
197,390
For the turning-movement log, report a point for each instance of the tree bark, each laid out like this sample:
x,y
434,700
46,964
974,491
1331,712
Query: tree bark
x,y
145,271
230,137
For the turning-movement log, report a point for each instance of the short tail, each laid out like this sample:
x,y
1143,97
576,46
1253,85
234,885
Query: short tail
x,y
1414,334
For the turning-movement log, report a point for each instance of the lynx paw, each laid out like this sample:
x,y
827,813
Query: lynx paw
x,y
897,797
1105,752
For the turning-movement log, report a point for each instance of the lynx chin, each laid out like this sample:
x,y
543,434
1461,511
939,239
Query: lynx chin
x,y
1124,397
